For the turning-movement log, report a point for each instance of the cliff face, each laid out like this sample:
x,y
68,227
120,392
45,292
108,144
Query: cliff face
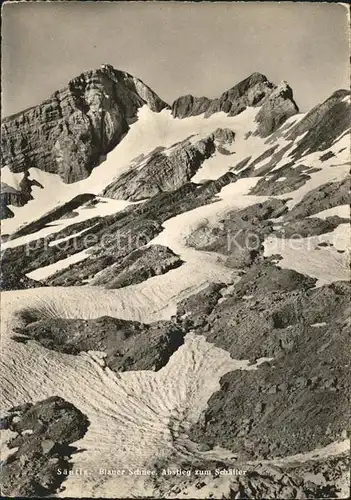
x,y
276,108
278,103
323,124
163,171
71,132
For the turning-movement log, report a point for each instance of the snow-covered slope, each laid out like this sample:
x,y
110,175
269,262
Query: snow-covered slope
x,y
150,131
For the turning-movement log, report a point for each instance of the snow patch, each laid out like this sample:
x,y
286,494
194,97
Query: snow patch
x,y
342,211
103,207
10,178
44,272
70,237
306,257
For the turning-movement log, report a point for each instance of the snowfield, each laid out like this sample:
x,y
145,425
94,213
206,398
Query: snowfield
x,y
327,264
103,207
44,272
138,416
342,211
134,416
148,132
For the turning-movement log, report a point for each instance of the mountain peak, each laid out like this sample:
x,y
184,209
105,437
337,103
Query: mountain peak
x,y
255,90
95,110
252,80
107,75
275,109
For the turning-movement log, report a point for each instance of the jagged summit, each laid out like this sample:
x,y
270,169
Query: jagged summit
x,y
248,92
250,81
72,131
255,90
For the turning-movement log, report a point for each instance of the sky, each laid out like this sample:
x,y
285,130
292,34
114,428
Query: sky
x,y
176,48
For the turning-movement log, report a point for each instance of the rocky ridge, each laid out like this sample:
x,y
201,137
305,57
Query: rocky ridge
x,y
277,103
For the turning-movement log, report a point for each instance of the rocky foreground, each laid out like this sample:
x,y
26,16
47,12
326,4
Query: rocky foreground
x,y
43,434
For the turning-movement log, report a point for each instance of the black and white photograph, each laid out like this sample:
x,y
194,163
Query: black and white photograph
x,y
175,250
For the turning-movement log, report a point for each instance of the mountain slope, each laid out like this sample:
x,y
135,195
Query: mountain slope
x,y
190,298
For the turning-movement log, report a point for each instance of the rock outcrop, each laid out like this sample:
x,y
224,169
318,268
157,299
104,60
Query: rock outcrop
x,y
304,332
124,345
321,198
71,132
16,280
223,136
10,196
66,210
284,180
45,431
276,108
256,90
5,211
138,266
162,171
310,226
16,197
240,235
